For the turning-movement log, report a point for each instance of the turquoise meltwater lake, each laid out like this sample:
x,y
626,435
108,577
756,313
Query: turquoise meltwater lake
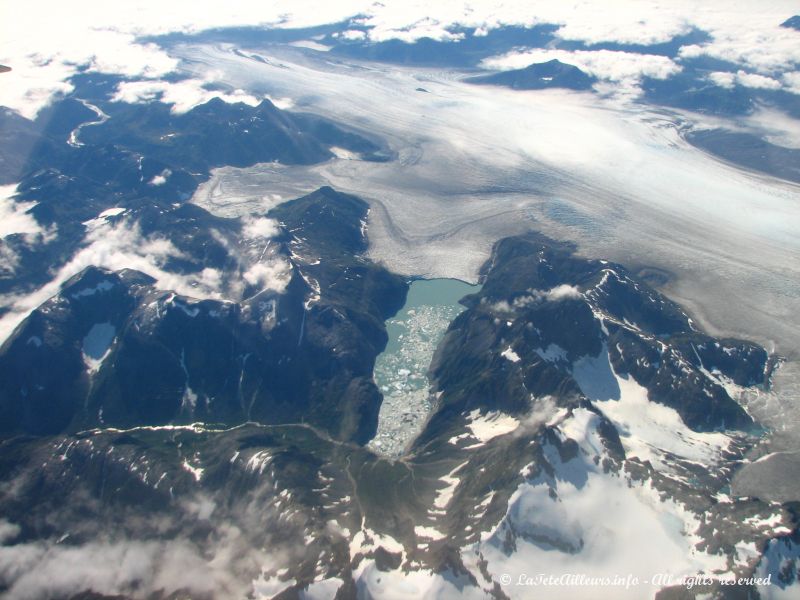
x,y
401,371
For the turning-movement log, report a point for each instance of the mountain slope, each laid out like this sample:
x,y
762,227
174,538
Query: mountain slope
x,y
539,76
569,424
296,343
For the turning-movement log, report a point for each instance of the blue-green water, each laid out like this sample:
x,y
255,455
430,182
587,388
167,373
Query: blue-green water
x,y
401,370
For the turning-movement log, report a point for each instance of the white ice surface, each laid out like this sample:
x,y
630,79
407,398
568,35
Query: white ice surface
x,y
648,430
111,212
97,345
445,494
510,355
196,472
415,585
481,163
488,426
597,525
474,164
322,590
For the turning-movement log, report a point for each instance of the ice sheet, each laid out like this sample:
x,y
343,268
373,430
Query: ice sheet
x,y
476,163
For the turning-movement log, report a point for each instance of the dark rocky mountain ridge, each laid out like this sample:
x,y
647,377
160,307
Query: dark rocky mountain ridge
x,y
270,357
283,481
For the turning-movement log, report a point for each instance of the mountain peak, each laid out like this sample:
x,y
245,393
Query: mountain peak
x,y
792,22
536,76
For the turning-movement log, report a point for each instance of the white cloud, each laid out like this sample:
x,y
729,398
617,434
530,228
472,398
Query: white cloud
x,y
728,80
634,23
8,531
311,45
33,84
50,52
544,411
121,54
424,28
121,245
739,32
792,81
625,22
45,52
161,178
282,103
753,80
559,292
777,127
763,46
352,35
265,275
14,216
723,79
182,95
604,64
625,69
136,567
260,263
260,227
9,260
201,507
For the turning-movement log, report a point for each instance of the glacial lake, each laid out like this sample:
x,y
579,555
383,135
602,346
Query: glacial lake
x,y
401,371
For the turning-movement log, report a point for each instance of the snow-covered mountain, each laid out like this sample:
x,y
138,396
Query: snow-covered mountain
x,y
212,231
579,417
